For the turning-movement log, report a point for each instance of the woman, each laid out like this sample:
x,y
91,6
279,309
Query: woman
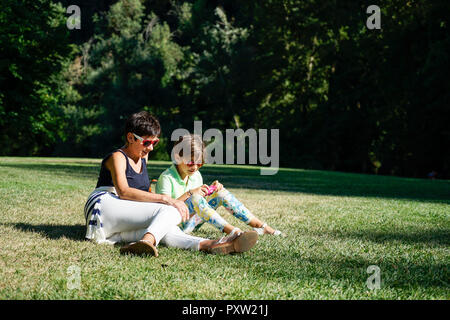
x,y
183,182
121,209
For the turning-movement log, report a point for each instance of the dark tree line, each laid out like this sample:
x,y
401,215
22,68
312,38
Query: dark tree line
x,y
343,96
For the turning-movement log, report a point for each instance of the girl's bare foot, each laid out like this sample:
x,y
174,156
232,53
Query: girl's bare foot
x,y
265,229
230,230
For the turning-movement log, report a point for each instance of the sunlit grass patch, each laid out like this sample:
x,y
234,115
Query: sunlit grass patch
x,y
336,225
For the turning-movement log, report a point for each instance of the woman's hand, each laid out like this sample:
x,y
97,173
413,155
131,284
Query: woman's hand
x,y
202,190
218,185
181,207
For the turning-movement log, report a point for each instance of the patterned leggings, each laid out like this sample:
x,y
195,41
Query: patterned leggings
x,y
203,209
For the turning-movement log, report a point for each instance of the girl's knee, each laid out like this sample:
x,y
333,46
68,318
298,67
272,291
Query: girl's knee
x,y
196,199
223,193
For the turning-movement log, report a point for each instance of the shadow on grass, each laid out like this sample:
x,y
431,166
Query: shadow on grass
x,y
319,262
286,180
431,238
58,169
402,271
54,232
396,273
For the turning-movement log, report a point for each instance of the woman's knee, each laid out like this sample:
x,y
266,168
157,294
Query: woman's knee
x,y
171,213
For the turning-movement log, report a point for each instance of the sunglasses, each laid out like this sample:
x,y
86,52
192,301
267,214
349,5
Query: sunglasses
x,y
191,163
147,143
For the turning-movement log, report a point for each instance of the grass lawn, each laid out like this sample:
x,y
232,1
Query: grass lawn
x,y
337,225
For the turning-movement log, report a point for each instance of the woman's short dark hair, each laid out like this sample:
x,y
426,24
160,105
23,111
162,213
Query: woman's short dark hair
x,y
143,124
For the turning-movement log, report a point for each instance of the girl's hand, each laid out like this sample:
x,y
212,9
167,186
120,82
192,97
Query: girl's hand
x,y
202,190
218,185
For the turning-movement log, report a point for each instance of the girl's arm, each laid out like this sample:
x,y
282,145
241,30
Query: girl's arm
x,y
184,196
202,190
164,186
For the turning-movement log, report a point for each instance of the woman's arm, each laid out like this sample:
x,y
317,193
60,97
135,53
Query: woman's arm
x,y
117,165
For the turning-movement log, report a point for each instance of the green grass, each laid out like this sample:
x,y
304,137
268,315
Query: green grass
x,y
337,224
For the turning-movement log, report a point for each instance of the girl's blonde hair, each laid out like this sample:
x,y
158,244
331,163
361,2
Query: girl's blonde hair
x,y
193,142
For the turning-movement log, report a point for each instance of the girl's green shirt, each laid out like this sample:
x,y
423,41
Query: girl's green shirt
x,y
171,184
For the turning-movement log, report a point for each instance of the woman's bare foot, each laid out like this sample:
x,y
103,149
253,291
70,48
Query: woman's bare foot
x,y
145,246
141,247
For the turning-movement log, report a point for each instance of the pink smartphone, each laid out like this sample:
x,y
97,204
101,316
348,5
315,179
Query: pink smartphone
x,y
211,189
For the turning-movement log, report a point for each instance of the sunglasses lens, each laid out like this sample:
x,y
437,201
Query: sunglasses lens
x,y
147,143
190,164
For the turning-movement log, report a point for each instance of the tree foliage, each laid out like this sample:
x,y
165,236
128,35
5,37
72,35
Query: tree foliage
x,y
33,49
343,96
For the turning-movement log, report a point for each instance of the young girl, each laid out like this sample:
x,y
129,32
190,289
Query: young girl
x,y
183,181
121,208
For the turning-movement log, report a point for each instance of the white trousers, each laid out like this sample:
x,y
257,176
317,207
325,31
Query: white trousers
x,y
128,221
